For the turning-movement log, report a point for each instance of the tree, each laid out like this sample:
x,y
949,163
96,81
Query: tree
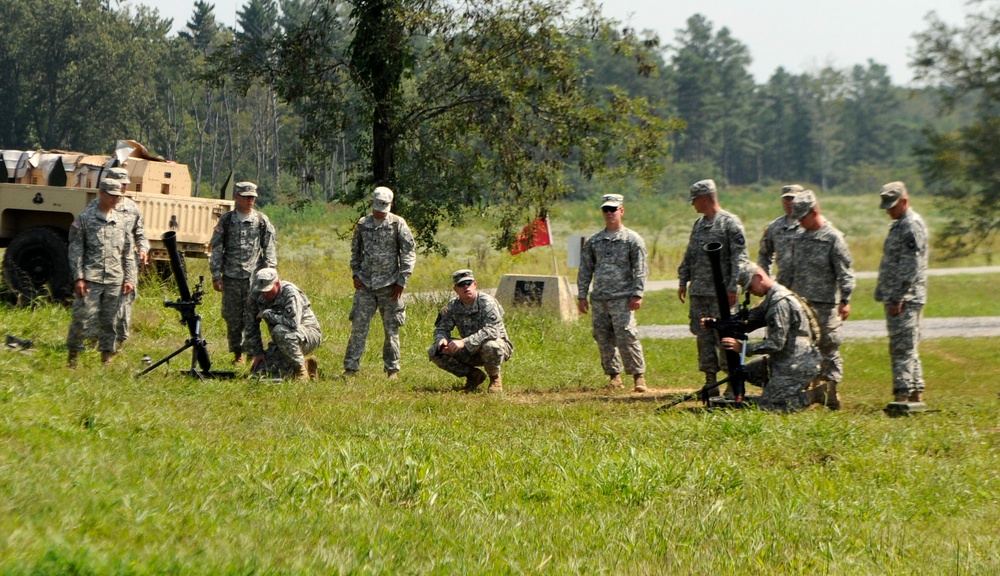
x,y
477,104
961,165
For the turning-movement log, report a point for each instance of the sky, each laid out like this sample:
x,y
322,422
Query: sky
x,y
799,35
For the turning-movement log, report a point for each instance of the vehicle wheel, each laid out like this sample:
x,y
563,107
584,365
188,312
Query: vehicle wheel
x,y
36,263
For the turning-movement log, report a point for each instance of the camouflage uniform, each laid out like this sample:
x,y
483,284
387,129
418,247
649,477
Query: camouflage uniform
x,y
480,325
616,262
774,247
382,256
791,360
902,277
100,252
240,247
293,326
696,269
821,275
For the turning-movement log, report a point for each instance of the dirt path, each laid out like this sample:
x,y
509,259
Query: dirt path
x,y
976,327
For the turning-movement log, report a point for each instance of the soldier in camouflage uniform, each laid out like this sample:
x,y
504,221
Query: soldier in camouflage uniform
x,y
103,268
482,337
790,358
243,242
382,258
615,259
714,225
822,275
778,237
293,326
902,288
123,320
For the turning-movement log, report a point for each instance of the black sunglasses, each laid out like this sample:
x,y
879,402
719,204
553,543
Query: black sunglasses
x,y
465,283
609,209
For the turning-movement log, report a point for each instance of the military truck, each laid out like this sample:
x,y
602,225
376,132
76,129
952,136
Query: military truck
x,y
45,190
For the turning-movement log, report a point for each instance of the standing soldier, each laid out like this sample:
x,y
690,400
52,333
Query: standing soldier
x,y
482,337
243,242
291,322
102,265
382,258
823,277
902,288
615,258
777,239
134,224
714,225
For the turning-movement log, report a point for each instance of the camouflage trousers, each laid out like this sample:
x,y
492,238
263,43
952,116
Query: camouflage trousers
x,y
101,302
614,330
708,340
123,319
393,312
831,367
783,387
286,352
490,355
235,296
904,338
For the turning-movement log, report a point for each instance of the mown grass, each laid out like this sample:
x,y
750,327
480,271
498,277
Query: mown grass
x,y
103,473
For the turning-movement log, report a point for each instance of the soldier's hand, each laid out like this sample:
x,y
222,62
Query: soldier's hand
x,y
581,305
217,285
128,288
844,310
733,297
895,309
634,303
681,293
730,344
397,291
705,319
357,283
257,361
80,288
455,345
442,346
144,256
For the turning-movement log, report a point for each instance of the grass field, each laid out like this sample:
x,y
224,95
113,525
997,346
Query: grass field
x,y
103,473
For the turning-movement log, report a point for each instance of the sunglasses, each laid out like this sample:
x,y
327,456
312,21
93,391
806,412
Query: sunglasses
x,y
609,209
465,283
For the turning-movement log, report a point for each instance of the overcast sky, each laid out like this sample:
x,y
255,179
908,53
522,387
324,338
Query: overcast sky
x,y
800,35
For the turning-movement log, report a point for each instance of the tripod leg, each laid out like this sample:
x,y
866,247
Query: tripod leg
x,y
186,345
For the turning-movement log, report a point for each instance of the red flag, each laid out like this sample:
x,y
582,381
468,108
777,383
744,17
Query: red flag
x,y
534,234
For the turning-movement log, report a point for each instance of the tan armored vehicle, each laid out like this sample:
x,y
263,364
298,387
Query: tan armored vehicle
x,y
44,191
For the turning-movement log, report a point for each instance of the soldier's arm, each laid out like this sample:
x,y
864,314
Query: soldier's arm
x,y
907,263
287,313
407,253
218,249
737,251
586,271
640,267
77,240
778,322
270,247
765,254
128,261
357,250
139,233
684,270
444,324
253,342
843,269
491,317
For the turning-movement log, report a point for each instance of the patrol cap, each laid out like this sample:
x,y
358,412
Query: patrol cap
x,y
802,203
264,279
119,174
112,187
891,194
745,273
382,199
612,200
461,276
790,190
248,189
702,188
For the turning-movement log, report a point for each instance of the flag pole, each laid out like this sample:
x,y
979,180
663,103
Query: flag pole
x,y
552,246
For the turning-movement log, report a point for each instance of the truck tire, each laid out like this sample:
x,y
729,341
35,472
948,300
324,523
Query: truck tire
x,y
36,263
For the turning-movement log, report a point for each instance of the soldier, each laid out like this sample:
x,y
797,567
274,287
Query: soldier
x,y
482,337
615,258
823,277
123,320
103,268
714,225
778,237
790,358
242,243
902,288
291,322
382,259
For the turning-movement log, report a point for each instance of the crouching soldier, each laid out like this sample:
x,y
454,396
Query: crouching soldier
x,y
293,326
789,357
482,337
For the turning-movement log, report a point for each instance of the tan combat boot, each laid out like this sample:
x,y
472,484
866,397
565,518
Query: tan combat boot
x,y
640,383
72,360
473,379
238,359
392,375
302,373
710,379
615,382
496,384
916,397
312,367
106,357
901,396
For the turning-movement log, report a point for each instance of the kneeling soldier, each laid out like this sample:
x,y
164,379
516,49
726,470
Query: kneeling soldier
x,y
293,326
483,338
